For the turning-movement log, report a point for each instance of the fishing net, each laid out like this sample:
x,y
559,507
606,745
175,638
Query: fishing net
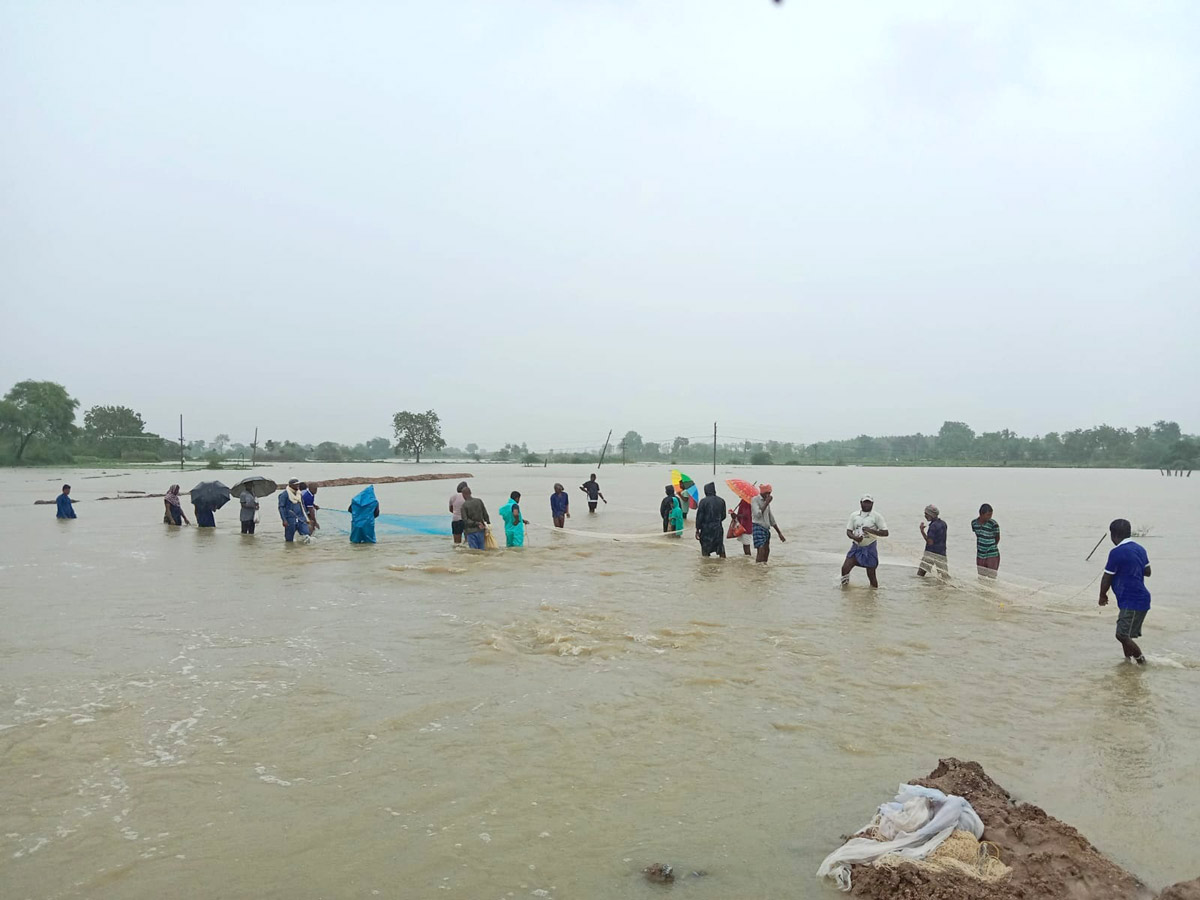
x,y
618,537
960,853
338,521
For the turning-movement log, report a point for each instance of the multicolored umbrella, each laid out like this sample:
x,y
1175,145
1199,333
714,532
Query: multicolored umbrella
x,y
743,488
685,487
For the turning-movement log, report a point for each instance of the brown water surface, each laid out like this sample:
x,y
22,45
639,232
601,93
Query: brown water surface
x,y
200,714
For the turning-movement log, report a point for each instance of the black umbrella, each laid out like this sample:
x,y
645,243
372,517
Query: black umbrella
x,y
255,484
212,494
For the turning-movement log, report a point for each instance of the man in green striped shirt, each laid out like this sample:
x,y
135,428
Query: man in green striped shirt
x,y
987,542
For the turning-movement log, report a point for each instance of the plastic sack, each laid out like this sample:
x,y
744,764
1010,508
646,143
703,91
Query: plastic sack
x,y
489,542
903,818
931,817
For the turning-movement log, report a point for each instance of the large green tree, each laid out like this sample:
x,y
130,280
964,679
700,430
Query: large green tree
x,y
105,422
631,444
417,432
41,409
955,439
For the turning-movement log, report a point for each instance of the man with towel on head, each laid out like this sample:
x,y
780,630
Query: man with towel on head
x,y
291,511
763,520
864,527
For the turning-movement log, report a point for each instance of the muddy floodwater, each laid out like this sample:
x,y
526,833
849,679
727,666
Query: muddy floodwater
x,y
202,714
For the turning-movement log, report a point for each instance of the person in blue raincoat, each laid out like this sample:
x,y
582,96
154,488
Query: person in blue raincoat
x,y
514,521
364,510
291,512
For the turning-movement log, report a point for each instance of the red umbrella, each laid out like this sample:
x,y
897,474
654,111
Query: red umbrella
x,y
742,488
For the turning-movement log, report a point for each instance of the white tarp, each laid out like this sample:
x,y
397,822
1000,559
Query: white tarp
x,y
915,824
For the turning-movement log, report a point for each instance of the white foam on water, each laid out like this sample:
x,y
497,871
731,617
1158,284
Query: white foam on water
x,y
270,779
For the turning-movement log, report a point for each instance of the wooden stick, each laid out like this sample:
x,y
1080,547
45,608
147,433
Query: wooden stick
x,y
1097,547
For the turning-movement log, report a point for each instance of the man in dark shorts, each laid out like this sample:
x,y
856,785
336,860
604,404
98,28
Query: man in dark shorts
x,y
456,502
1126,572
987,542
592,489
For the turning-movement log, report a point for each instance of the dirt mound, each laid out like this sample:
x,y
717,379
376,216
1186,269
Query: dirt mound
x,y
1185,890
1050,859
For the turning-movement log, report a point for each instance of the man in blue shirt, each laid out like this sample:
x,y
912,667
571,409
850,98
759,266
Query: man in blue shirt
x,y
560,506
1126,572
935,544
66,506
291,512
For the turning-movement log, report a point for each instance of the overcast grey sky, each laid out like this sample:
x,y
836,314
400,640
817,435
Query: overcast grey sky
x,y
547,219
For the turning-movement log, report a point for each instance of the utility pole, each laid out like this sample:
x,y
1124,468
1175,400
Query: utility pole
x,y
605,450
254,448
714,449
181,442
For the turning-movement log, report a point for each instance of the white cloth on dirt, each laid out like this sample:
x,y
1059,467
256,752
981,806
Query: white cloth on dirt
x,y
914,825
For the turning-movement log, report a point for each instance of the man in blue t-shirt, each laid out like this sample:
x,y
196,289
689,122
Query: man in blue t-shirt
x,y
560,506
1126,572
66,506
935,544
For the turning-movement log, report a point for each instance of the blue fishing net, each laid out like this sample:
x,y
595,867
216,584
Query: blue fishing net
x,y
337,520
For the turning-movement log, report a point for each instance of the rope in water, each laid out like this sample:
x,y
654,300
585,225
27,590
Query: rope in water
x,y
607,536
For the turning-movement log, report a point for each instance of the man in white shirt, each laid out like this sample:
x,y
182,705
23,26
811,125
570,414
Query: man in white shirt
x,y
762,521
864,527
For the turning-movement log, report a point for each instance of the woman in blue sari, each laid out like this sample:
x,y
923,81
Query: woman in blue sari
x,y
364,510
514,522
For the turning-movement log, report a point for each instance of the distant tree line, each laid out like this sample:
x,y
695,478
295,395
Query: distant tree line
x,y
37,425
1161,445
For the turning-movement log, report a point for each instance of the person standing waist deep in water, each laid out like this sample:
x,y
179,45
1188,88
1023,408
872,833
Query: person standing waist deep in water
x,y
560,506
475,520
364,510
934,536
987,542
665,506
308,496
456,502
592,489
744,516
291,512
710,523
514,521
763,519
173,509
66,506
249,509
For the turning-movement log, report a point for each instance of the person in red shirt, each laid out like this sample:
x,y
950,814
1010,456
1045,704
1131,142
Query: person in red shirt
x,y
741,515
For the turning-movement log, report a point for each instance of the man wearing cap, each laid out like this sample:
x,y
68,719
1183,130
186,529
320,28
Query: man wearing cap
x,y
291,511
864,527
935,544
762,521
